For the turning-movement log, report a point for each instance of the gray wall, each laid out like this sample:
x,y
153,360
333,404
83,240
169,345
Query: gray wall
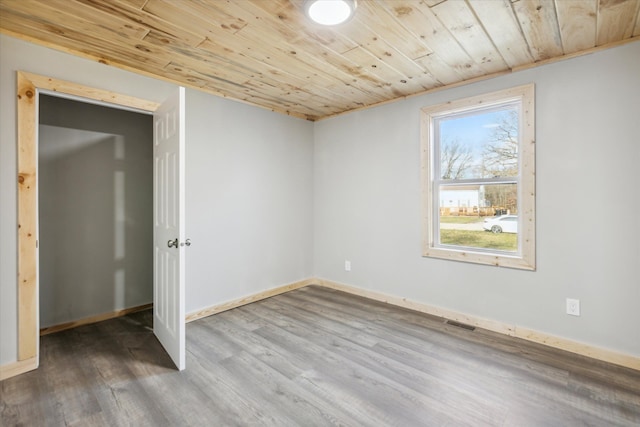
x,y
248,201
367,205
95,210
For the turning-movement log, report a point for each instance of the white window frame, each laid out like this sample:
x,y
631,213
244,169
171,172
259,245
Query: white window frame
x,y
524,257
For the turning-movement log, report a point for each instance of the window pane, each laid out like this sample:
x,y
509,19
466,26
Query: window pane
x,y
483,144
479,216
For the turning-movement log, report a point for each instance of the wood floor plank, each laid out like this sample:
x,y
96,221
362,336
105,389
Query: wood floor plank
x,y
445,396
419,379
334,360
400,335
314,357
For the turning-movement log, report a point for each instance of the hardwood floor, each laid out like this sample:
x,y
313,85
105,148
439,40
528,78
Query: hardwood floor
x,y
314,357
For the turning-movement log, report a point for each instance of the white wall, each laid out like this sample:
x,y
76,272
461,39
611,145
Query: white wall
x,y
249,201
367,205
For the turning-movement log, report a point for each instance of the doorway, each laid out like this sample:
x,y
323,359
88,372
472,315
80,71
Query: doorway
x,y
169,137
95,204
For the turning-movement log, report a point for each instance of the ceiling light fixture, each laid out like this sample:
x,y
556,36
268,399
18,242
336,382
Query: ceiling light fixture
x,y
330,12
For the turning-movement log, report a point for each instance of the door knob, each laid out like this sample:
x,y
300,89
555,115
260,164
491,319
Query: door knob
x,y
172,243
186,243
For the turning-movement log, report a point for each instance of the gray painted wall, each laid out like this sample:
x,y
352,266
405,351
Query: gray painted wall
x,y
249,201
367,205
95,210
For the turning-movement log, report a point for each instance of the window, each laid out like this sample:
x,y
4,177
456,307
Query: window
x,y
478,163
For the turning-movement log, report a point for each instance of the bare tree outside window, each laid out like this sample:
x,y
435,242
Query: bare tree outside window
x,y
500,155
500,159
456,159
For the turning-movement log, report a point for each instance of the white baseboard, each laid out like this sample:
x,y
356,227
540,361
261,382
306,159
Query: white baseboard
x,y
16,368
583,349
218,308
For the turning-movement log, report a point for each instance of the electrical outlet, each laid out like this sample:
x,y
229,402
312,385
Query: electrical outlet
x,y
573,307
347,265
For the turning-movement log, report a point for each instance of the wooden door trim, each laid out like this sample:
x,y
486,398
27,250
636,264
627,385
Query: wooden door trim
x,y
28,86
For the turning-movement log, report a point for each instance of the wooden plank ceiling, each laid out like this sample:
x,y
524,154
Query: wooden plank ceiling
x,y
267,53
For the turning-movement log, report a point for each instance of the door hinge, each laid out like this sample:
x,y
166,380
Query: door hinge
x,y
37,244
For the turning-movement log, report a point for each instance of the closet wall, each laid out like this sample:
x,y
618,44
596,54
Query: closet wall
x,y
95,210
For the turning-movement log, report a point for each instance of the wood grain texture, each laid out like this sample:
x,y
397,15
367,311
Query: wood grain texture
x,y
315,356
27,219
502,26
95,94
268,53
17,368
577,21
616,19
539,23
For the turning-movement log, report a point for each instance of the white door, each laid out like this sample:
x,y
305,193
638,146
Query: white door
x,y
168,227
